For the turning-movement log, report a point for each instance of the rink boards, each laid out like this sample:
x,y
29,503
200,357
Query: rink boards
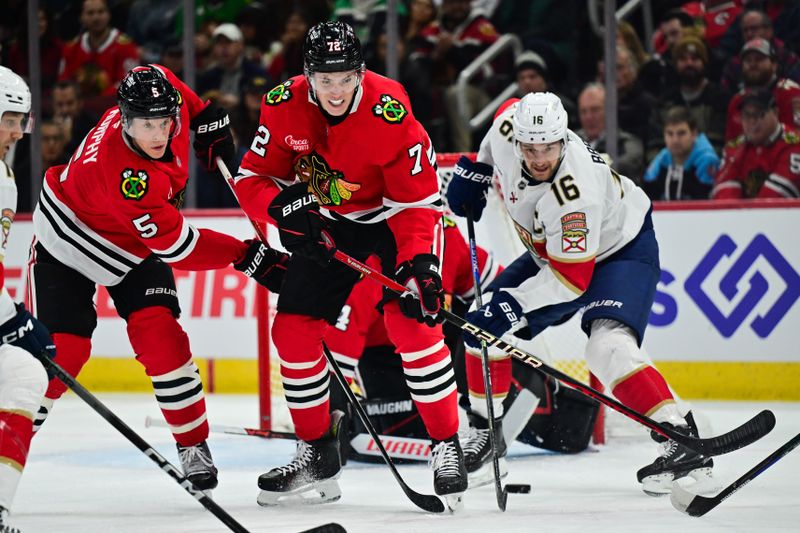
x,y
723,326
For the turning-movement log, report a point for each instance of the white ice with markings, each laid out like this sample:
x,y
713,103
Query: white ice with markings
x,y
83,475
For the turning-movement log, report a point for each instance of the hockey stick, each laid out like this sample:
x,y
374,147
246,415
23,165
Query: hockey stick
x,y
331,527
696,505
737,438
230,430
427,502
140,443
500,492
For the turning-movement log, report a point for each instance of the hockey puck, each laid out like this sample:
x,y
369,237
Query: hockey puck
x,y
512,488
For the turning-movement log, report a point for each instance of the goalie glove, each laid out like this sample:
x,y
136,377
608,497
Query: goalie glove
x,y
212,137
267,266
424,298
468,186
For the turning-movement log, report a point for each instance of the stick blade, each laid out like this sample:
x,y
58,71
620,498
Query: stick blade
x,y
687,502
332,527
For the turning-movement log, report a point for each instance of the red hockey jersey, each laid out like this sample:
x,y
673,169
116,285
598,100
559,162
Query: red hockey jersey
x,y
377,164
100,70
787,98
771,171
108,208
360,325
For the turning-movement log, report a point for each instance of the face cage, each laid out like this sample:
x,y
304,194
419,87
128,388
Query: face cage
x,y
26,125
141,134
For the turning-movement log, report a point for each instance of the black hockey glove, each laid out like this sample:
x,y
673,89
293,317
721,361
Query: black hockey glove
x,y
26,332
265,265
212,136
301,227
424,298
468,187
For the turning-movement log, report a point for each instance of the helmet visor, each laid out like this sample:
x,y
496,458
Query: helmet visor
x,y
14,121
152,130
327,82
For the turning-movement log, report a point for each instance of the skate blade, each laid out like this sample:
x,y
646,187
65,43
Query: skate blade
x,y
311,494
454,501
661,484
485,474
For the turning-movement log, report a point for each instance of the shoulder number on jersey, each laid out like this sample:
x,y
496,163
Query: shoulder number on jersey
x,y
415,153
565,189
260,141
146,227
506,129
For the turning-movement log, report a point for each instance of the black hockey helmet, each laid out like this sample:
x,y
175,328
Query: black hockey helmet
x,y
146,92
332,47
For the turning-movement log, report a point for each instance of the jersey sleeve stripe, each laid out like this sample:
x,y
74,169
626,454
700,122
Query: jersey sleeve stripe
x,y
183,247
782,186
244,174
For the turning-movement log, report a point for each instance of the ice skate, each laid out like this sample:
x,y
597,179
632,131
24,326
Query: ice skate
x,y
198,465
676,461
478,451
311,476
449,472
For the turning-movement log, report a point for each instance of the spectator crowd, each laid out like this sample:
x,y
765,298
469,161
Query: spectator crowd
x,y
709,108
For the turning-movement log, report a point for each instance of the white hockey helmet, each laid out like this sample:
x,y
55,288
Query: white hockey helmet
x,y
540,118
15,97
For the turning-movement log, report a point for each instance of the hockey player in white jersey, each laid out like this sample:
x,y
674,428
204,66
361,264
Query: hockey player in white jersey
x,y
591,246
23,379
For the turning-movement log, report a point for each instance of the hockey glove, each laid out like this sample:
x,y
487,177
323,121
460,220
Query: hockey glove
x,y
212,136
424,298
468,187
300,225
26,332
501,314
265,265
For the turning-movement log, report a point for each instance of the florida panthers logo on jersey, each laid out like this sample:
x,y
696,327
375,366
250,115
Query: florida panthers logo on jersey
x,y
390,109
327,184
279,94
6,218
134,184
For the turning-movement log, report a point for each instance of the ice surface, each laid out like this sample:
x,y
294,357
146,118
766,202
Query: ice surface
x,y
84,476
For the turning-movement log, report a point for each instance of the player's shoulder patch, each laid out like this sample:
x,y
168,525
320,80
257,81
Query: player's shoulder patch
x,y
791,137
279,94
390,109
448,222
134,184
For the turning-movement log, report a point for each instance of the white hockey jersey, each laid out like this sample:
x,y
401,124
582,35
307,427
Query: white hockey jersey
x,y
584,214
8,209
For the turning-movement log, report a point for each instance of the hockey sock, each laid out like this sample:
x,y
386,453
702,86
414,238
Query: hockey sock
x,y
162,347
428,369
500,372
304,372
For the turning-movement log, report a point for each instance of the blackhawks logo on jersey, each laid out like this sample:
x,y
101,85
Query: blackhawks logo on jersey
x,y
279,94
390,109
328,185
134,184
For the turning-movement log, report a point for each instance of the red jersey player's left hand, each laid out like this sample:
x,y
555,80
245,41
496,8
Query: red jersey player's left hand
x,y
267,266
301,227
212,137
424,299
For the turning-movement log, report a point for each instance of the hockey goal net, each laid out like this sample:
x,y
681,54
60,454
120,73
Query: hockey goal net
x,y
561,347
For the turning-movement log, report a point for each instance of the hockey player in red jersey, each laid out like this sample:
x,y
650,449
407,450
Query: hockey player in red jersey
x,y
23,379
110,217
339,160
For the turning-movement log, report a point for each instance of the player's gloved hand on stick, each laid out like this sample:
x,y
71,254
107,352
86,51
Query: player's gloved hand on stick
x,y
301,228
468,187
212,137
500,314
25,331
267,266
425,296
